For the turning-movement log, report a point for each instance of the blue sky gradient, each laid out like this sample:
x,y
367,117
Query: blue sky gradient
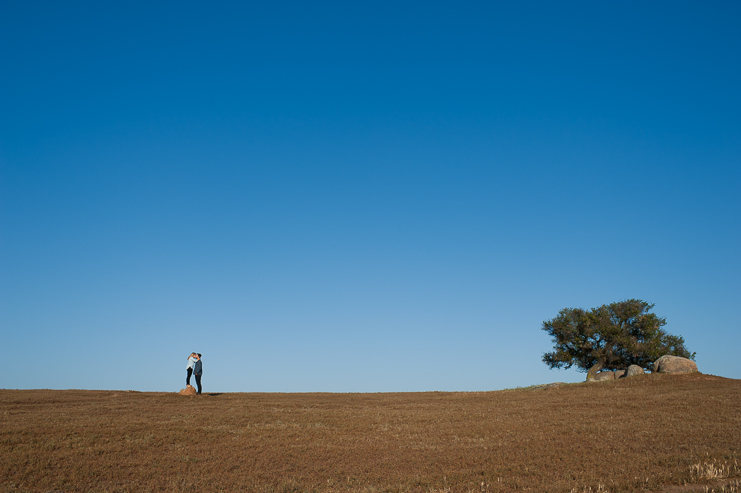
x,y
359,198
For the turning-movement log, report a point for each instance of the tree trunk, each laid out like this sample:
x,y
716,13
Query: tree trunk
x,y
592,373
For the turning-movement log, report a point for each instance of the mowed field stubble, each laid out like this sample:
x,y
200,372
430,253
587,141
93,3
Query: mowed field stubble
x,y
647,433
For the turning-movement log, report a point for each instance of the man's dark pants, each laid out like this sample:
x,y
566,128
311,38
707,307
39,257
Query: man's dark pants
x,y
198,382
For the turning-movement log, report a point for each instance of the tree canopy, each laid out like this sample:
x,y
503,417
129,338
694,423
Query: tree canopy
x,y
610,337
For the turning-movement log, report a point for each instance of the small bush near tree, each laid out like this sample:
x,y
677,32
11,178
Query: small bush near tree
x,y
610,337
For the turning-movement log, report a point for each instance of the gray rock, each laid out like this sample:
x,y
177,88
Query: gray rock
x,y
674,364
545,386
619,374
634,370
604,375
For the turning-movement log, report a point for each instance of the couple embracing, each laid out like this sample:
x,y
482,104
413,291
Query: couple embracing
x,y
195,367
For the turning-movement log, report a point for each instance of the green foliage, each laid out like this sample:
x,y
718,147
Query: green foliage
x,y
610,337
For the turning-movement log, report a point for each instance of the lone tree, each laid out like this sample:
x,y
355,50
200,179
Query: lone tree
x,y
610,337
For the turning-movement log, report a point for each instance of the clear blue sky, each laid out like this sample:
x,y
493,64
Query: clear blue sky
x,y
359,197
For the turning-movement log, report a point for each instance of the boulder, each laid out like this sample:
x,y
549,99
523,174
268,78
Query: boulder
x,y
189,391
619,374
674,364
604,375
634,370
546,386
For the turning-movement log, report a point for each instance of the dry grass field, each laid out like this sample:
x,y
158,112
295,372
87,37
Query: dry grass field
x,y
669,433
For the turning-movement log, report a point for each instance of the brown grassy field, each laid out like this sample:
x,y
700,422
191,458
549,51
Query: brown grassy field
x,y
667,433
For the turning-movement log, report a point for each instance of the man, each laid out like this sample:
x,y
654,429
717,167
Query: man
x,y
198,371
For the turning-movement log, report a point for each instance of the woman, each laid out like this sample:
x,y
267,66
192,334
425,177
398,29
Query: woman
x,y
191,363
